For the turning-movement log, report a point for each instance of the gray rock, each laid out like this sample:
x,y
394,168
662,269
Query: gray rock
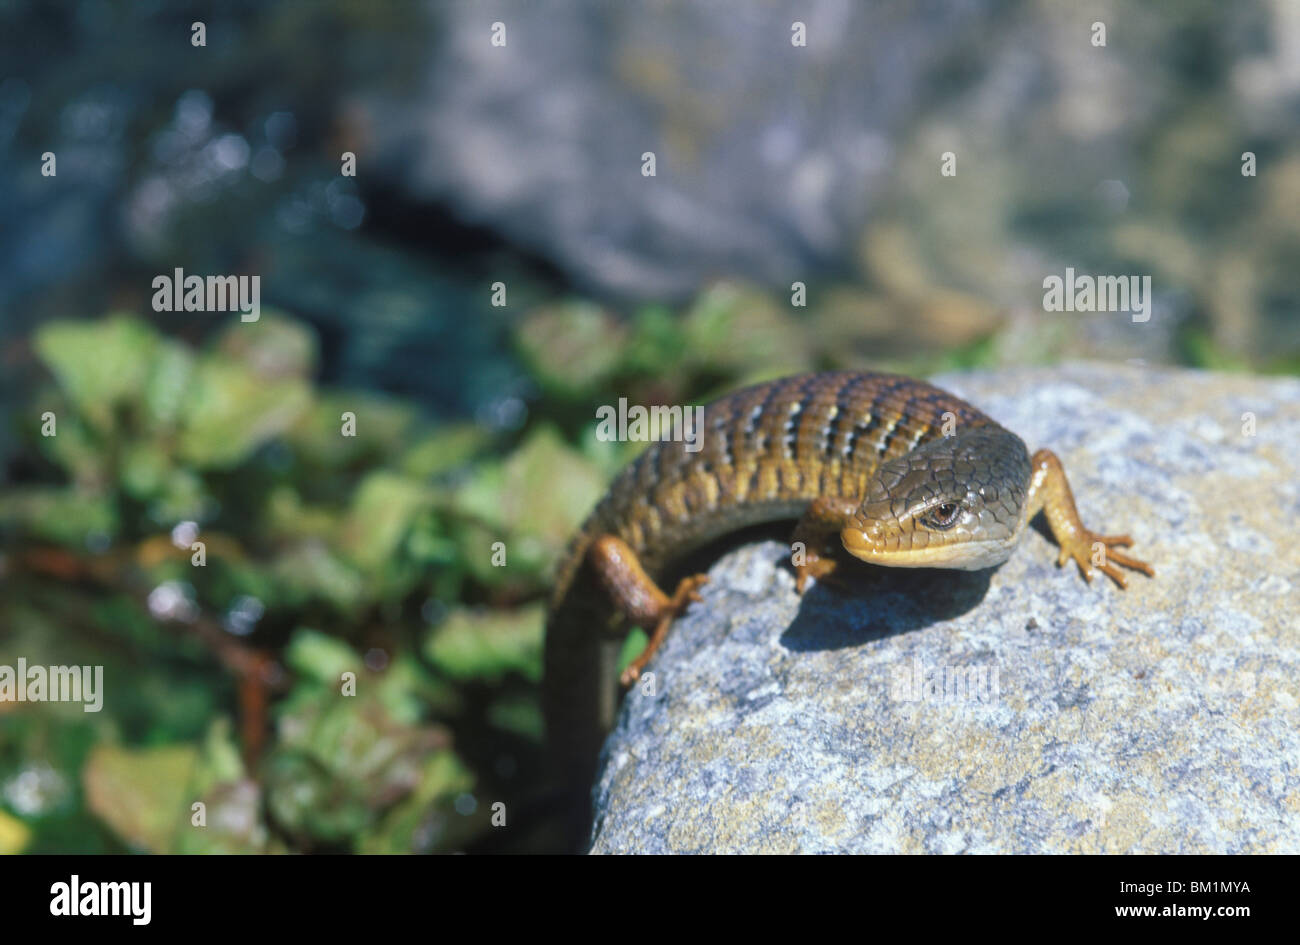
x,y
1161,719
768,156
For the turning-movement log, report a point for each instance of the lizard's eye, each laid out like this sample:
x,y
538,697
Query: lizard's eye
x,y
942,516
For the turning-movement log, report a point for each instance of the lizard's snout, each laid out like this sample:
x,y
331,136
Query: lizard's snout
x,y
863,537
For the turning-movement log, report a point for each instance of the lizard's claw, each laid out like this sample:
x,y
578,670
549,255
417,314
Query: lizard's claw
x,y
1086,554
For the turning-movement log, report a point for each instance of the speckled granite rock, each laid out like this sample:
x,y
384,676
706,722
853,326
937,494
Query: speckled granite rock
x,y
1161,719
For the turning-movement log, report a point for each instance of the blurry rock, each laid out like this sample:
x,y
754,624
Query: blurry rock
x,y
768,155
1160,719
776,162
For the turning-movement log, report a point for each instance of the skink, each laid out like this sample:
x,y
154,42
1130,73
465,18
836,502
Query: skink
x,y
890,469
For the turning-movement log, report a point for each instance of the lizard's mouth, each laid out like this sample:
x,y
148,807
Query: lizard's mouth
x,y
877,544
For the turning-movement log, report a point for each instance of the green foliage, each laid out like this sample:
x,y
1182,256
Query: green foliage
x,y
486,646
141,793
101,366
378,541
362,772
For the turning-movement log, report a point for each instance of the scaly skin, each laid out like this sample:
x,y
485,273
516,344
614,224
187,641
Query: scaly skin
x,y
903,473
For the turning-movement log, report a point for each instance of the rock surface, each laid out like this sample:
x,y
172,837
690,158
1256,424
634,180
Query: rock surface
x,y
1161,719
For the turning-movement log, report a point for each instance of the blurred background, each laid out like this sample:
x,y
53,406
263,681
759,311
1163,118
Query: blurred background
x,y
520,164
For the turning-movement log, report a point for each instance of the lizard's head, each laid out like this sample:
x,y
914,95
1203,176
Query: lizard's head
x,y
955,502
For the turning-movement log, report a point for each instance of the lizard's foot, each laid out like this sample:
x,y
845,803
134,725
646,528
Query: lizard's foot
x,y
814,566
818,531
686,594
1088,549
1049,490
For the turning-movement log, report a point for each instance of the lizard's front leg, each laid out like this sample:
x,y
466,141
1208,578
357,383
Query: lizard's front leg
x,y
638,597
1049,490
818,532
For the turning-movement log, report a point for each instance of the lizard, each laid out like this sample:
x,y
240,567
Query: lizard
x,y
892,470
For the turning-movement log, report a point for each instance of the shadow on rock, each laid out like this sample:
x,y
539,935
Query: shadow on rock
x,y
867,602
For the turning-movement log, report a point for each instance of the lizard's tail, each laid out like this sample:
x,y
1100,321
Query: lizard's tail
x,y
579,687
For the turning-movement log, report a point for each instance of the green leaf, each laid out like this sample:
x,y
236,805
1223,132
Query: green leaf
x,y
442,450
383,428
144,469
164,392
733,328
68,516
99,364
571,348
229,411
75,447
536,498
489,644
341,761
285,517
383,510
320,657
219,760
309,571
658,344
142,794
181,495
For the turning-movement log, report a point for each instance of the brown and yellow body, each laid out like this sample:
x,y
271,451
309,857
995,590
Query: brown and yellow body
x,y
767,453
903,473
